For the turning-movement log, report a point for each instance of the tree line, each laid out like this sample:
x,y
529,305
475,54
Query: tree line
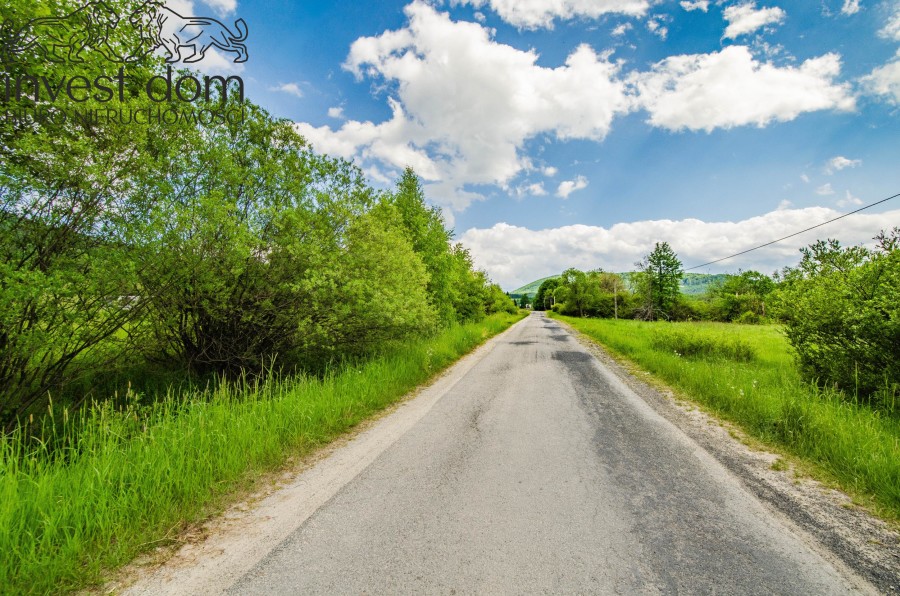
x,y
189,250
839,308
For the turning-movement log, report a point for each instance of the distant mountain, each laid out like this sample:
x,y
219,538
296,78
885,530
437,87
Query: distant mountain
x,y
695,284
692,284
532,288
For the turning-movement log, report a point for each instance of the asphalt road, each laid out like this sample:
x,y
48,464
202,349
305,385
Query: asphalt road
x,y
538,471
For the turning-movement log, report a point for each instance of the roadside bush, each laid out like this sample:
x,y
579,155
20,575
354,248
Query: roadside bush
x,y
841,309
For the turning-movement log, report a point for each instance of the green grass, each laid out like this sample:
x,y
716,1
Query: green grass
x,y
129,480
746,374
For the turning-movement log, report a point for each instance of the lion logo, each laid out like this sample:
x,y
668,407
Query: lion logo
x,y
162,27
66,39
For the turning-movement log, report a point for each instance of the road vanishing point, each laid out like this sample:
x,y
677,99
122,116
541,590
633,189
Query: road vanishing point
x,y
530,467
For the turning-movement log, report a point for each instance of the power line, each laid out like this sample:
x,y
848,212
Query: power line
x,y
792,235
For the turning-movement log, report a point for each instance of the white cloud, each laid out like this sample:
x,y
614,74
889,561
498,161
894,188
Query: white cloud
x,y
465,104
336,112
534,14
289,88
656,27
825,190
183,7
698,5
622,29
850,7
836,164
730,88
514,256
885,81
849,201
567,187
222,7
891,29
746,18
535,190
550,171
785,204
217,62
805,178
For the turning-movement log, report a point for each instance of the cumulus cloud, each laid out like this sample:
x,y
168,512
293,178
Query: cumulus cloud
x,y
550,171
336,112
514,255
621,29
836,164
850,7
698,5
289,88
885,81
746,18
567,187
464,104
892,29
535,14
825,190
657,28
731,88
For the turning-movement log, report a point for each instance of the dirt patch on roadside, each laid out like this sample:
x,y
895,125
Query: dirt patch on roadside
x,y
843,532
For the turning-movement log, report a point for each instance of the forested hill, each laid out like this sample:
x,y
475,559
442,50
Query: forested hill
x,y
692,284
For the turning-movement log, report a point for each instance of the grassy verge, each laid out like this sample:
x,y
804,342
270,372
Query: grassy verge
x,y
746,374
133,478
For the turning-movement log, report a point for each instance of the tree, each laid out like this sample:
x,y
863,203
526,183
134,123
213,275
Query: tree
x,y
741,297
523,301
841,310
544,297
68,284
659,282
611,284
424,227
578,290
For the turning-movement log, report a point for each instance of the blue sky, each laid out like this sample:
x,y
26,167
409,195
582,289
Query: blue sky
x,y
558,133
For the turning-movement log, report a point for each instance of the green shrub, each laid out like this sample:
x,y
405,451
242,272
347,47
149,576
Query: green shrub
x,y
841,308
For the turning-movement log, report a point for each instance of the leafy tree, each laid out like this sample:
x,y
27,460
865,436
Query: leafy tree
x,y
425,229
613,293
523,301
657,282
496,300
579,291
241,237
544,296
67,283
742,296
841,309
376,291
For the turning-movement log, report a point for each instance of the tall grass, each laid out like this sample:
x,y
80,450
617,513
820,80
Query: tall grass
x,y
747,375
117,482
